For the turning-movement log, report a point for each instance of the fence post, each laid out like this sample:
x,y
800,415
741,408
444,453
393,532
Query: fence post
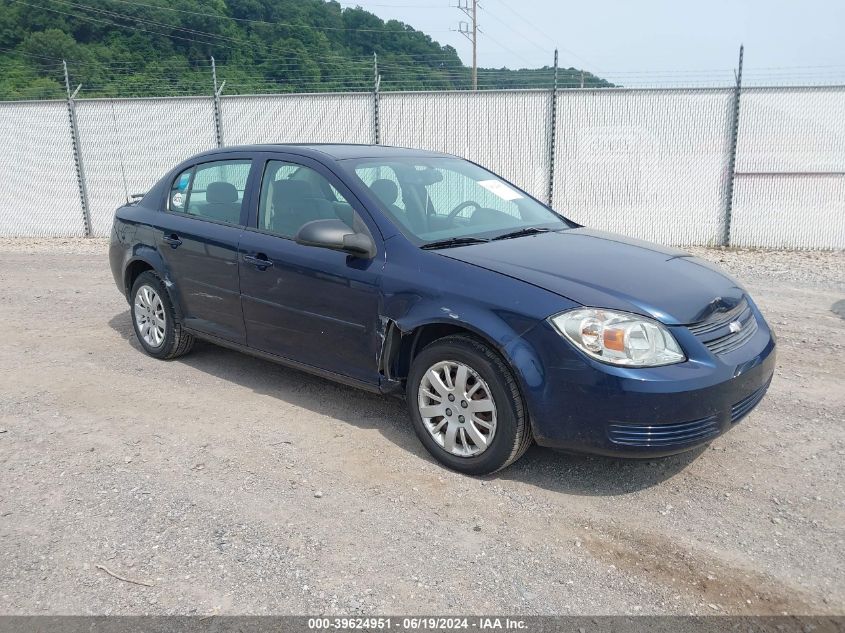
x,y
77,153
552,137
376,87
218,116
734,133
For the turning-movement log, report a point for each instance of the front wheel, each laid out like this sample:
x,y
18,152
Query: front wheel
x,y
466,406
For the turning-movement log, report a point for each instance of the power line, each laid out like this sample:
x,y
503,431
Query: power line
x,y
205,35
25,54
502,22
397,6
89,18
547,36
512,52
269,23
110,23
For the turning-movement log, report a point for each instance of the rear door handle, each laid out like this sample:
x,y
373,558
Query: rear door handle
x,y
260,261
172,239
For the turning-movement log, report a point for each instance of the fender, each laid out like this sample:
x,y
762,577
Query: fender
x,y
151,257
465,297
502,331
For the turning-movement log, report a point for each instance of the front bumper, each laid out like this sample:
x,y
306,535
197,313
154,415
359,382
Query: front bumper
x,y
582,405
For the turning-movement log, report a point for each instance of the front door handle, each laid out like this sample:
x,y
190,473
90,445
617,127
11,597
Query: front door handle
x,y
260,261
172,239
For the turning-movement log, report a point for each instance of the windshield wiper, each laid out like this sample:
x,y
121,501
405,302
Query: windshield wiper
x,y
529,230
454,241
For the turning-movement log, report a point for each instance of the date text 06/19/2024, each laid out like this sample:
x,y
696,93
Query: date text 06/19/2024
x,y
416,623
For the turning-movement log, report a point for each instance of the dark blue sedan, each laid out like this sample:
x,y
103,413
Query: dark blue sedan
x,y
418,273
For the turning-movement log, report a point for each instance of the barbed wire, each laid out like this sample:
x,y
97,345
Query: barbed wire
x,y
246,79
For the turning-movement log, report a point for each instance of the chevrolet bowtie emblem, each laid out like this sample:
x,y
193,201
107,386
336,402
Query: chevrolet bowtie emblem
x,y
735,326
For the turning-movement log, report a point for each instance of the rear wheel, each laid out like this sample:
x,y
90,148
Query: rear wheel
x,y
158,330
466,406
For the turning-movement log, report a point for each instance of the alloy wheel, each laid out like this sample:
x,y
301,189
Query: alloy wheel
x,y
149,316
457,408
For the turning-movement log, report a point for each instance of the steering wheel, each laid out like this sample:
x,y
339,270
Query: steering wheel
x,y
461,207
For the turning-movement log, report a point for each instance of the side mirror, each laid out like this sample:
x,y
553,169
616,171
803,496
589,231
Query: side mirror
x,y
337,236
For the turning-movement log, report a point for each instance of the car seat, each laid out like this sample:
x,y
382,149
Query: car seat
x,y
294,204
221,202
388,192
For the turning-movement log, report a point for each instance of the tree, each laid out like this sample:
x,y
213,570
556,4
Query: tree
x,y
162,47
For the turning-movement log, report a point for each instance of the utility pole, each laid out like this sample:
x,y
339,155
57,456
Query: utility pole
x,y
470,31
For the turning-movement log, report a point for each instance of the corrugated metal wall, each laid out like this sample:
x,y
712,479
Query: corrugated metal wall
x,y
652,164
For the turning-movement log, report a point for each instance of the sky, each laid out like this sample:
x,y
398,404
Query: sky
x,y
663,39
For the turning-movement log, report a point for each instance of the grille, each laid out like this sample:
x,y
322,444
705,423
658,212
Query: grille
x,y
663,434
716,333
744,406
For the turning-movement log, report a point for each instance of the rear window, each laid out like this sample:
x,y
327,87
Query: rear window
x,y
212,191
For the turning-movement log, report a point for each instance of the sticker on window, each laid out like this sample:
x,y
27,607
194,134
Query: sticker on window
x,y
184,179
497,187
177,200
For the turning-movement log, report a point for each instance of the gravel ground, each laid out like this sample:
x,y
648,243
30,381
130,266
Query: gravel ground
x,y
233,486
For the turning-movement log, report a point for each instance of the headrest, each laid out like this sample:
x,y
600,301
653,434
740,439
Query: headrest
x,y
221,193
386,190
288,192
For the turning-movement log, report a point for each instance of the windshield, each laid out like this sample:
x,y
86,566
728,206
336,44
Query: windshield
x,y
436,199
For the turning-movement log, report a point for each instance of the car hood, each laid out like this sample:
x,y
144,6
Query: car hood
x,y
605,270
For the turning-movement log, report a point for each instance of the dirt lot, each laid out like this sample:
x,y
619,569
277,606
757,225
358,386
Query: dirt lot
x,y
232,485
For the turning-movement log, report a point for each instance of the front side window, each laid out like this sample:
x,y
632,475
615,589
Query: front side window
x,y
384,183
433,199
293,195
213,191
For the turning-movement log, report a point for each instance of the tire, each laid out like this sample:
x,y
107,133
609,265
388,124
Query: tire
x,y
164,337
511,430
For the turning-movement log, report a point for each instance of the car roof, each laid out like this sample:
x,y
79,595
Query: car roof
x,y
337,151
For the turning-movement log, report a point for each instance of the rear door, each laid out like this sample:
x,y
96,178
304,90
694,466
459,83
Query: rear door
x,y
311,305
198,238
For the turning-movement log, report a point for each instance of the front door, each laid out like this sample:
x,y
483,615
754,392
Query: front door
x,y
198,238
310,305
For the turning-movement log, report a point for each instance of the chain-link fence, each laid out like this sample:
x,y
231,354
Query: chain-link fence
x,y
40,190
127,145
504,131
790,168
293,118
652,164
676,166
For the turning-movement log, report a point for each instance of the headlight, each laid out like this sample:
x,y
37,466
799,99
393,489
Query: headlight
x,y
619,338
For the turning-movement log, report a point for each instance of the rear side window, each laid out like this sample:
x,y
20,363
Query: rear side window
x,y
213,191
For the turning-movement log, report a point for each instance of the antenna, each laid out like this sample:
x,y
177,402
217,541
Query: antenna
x,y
470,31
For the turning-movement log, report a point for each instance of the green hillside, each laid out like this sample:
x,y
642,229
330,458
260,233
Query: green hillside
x,y
163,47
